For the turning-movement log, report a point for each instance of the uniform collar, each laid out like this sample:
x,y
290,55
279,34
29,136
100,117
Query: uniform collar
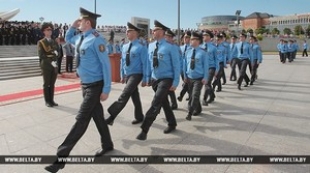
x,y
86,33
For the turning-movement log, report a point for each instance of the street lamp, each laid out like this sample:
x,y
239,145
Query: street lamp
x,y
238,12
95,6
179,22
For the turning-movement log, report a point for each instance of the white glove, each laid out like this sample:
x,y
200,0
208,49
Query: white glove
x,y
56,53
54,64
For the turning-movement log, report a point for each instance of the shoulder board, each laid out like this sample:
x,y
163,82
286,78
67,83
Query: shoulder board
x,y
95,33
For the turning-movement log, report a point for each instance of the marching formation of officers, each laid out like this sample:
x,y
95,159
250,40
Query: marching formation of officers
x,y
200,62
287,50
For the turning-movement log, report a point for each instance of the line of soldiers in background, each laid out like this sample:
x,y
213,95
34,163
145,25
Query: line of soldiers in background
x,y
22,33
288,50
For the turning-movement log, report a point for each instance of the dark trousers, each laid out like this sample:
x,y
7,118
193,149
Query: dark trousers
x,y
173,98
90,108
254,70
59,61
217,81
233,74
305,52
242,69
223,76
208,88
184,88
194,91
69,63
130,90
49,80
160,99
283,57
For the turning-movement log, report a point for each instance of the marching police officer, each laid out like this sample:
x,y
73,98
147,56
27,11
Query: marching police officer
x,y
196,71
48,52
134,63
244,54
184,48
233,60
169,37
221,56
211,50
256,58
165,74
93,67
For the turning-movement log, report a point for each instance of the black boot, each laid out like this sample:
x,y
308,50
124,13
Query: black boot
x,y
47,98
52,90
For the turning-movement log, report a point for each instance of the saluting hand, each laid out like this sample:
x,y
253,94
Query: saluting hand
x,y
76,23
104,96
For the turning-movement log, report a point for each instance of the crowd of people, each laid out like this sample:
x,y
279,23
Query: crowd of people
x,y
289,48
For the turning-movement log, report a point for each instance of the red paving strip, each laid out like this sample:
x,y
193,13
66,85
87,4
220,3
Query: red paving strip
x,y
31,93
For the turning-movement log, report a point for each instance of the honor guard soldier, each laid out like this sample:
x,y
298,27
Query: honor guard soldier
x,y
134,63
184,48
48,53
169,35
165,74
93,67
256,58
211,51
244,55
196,71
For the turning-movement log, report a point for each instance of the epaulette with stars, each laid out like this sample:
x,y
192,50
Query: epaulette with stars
x,y
95,33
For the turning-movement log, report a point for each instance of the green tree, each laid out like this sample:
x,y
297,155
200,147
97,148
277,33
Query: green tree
x,y
260,31
287,31
298,30
308,31
275,31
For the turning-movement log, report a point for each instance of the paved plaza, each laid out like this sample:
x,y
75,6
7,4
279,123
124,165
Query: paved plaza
x,y
269,118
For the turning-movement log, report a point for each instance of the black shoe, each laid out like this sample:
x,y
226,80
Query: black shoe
x,y
223,83
251,83
239,87
179,98
196,113
188,117
204,102
136,121
187,98
169,129
142,136
49,105
110,120
54,103
174,107
218,90
103,151
246,85
54,167
211,100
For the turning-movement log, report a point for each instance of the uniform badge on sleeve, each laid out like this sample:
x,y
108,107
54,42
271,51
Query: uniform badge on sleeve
x,y
101,48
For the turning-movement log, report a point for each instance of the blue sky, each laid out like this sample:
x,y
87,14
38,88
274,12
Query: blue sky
x,y
118,12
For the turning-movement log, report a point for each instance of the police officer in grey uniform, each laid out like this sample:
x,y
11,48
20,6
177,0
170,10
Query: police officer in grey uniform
x,y
93,67
165,74
133,70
